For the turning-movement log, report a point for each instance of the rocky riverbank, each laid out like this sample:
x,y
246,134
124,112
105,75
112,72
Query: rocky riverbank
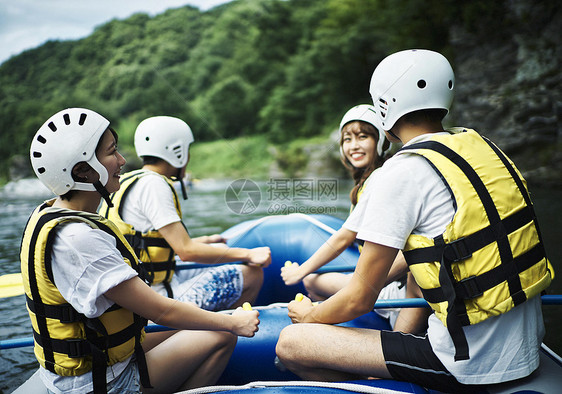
x,y
509,87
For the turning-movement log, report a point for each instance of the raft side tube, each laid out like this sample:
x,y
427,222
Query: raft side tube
x,y
253,359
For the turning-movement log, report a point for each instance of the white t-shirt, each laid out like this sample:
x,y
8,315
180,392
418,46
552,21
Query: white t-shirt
x,y
410,198
392,291
86,264
150,204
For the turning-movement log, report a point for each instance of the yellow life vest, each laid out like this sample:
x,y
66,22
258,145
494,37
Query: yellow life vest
x,y
155,254
66,342
490,258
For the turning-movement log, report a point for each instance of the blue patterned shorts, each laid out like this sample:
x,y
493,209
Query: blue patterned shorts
x,y
213,288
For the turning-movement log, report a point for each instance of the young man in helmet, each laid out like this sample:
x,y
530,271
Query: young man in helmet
x,y
147,210
85,296
460,211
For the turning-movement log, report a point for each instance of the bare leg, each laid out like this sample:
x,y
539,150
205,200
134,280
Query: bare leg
x,y
331,353
253,280
323,286
189,359
153,339
412,320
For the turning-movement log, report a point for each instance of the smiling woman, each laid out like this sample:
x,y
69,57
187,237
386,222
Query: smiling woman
x,y
363,148
86,295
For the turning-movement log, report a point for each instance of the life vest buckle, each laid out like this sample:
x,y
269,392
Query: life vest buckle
x,y
456,251
136,241
470,288
68,314
145,273
76,348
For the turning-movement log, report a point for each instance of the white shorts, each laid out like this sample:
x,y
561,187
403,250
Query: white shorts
x,y
392,291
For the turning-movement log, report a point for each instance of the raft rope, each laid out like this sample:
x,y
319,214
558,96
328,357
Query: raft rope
x,y
316,222
352,387
257,222
185,265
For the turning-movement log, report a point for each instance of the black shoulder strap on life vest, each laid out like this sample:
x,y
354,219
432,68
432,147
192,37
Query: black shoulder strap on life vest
x,y
522,190
93,345
461,249
105,212
139,242
139,321
43,332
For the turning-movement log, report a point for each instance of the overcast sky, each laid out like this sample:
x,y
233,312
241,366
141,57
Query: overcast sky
x,y
26,24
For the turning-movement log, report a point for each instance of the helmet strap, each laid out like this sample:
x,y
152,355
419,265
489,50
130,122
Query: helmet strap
x,y
104,193
182,185
394,135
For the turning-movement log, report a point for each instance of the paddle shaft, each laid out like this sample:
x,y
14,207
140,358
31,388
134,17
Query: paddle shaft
x,y
11,284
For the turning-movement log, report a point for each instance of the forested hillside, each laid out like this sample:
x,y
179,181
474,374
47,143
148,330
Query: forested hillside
x,y
279,69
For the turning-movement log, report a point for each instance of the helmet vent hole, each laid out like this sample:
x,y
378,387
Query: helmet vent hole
x,y
450,84
66,118
177,151
52,126
42,139
422,84
36,154
82,119
41,170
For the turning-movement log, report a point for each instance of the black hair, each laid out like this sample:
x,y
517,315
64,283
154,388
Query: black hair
x,y
432,115
69,194
151,160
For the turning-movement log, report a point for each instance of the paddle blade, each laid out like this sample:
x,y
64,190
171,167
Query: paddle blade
x,y
11,285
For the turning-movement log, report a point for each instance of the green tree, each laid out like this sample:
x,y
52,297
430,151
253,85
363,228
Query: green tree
x,y
282,69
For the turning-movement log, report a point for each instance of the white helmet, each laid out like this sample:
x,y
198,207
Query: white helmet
x,y
65,139
409,81
366,113
164,137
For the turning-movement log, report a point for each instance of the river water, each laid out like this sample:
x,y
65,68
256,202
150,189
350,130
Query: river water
x,y
212,207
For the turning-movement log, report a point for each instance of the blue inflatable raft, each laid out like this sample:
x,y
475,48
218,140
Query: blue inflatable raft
x,y
253,368
292,237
